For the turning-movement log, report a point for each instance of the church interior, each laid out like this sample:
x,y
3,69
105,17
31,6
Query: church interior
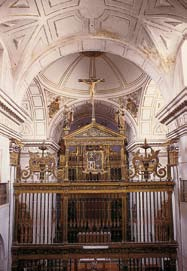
x,y
93,135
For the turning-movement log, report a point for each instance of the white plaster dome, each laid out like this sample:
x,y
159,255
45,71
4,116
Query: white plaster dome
x,y
119,74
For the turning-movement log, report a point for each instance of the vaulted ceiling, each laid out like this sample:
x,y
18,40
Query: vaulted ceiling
x,y
45,45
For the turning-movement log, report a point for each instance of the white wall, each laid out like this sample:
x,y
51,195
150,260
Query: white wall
x,y
4,160
4,209
4,231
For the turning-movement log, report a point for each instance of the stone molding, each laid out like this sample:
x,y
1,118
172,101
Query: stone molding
x,y
159,143
11,116
36,143
174,115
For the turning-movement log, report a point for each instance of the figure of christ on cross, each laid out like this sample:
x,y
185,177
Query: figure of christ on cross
x,y
91,82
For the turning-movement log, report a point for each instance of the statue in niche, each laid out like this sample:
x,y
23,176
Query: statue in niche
x,y
132,107
54,107
68,117
120,117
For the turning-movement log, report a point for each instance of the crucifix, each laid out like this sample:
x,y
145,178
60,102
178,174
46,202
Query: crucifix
x,y
92,81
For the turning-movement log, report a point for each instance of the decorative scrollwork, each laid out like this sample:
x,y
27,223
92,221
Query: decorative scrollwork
x,y
147,164
26,173
44,164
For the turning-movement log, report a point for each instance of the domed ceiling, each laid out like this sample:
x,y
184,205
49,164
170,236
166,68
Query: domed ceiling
x,y
57,86
119,74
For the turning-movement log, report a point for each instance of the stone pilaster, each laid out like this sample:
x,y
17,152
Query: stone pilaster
x,y
174,115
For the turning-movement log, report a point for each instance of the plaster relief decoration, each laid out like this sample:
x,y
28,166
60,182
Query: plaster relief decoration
x,y
19,42
34,25
26,5
130,102
94,132
55,103
51,6
132,107
54,107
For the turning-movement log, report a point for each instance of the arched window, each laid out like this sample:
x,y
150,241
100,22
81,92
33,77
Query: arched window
x,y
184,61
2,254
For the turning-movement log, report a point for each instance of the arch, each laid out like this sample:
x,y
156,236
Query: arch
x,y
55,124
88,43
2,254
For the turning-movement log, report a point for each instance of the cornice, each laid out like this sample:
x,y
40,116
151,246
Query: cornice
x,y
8,132
178,132
154,143
174,109
11,110
36,143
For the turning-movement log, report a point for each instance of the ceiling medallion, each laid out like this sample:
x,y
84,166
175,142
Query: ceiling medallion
x,y
92,53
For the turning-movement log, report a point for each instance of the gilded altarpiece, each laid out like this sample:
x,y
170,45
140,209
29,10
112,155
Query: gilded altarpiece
x,y
99,214
94,154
